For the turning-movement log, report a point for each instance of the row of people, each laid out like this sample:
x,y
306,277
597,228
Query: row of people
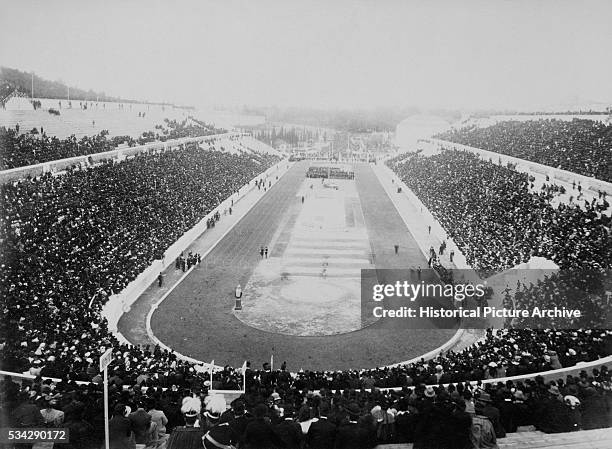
x,y
491,213
71,241
329,172
459,415
21,149
581,146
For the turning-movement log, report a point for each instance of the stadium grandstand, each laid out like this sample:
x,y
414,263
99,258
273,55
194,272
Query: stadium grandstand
x,y
528,383
167,282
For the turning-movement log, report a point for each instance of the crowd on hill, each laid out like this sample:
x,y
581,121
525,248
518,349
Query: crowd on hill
x,y
173,129
21,149
18,148
497,221
580,146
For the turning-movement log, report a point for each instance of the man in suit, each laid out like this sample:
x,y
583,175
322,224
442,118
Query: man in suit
x,y
322,433
289,431
492,413
120,429
237,418
355,434
141,422
259,433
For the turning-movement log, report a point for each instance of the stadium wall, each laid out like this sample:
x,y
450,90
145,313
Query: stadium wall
x,y
564,176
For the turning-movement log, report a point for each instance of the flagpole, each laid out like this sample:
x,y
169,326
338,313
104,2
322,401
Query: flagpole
x,y
212,364
244,377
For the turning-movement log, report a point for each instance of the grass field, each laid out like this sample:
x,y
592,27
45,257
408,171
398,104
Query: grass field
x,y
197,320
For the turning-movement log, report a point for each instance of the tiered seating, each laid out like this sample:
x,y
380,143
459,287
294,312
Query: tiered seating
x,y
586,439
580,146
29,148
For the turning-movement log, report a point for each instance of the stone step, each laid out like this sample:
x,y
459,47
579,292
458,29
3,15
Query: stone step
x,y
583,439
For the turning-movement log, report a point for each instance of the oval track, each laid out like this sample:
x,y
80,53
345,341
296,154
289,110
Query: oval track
x,y
196,318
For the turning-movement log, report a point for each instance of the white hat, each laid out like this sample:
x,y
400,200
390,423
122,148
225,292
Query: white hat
x,y
215,405
191,406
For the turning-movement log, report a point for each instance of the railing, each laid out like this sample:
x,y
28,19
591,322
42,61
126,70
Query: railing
x,y
560,373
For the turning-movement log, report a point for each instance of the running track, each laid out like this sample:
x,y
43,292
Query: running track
x,y
196,318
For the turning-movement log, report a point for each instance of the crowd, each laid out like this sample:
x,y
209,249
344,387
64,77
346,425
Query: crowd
x,y
562,289
580,146
281,410
496,220
185,263
329,172
70,241
21,149
173,129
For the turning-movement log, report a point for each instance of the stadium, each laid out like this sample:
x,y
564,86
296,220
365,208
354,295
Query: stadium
x,y
206,259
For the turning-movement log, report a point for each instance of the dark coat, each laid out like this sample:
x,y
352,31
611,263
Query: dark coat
x,y
355,436
259,434
141,421
321,434
493,414
460,430
290,433
222,434
185,438
120,431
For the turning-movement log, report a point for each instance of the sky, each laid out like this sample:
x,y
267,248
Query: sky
x,y
452,54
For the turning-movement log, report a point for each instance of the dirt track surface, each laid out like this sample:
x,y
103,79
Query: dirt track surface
x,y
196,318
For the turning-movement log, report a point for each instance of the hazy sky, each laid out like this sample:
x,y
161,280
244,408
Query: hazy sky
x,y
334,53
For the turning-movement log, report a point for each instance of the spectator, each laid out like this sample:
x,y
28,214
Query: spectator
x,y
120,429
188,436
581,146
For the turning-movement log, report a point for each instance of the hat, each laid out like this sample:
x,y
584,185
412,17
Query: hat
x,y
191,406
484,397
238,405
519,395
215,406
554,390
492,365
429,392
572,401
353,409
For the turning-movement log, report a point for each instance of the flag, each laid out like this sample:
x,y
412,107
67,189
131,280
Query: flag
x,y
244,368
212,364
